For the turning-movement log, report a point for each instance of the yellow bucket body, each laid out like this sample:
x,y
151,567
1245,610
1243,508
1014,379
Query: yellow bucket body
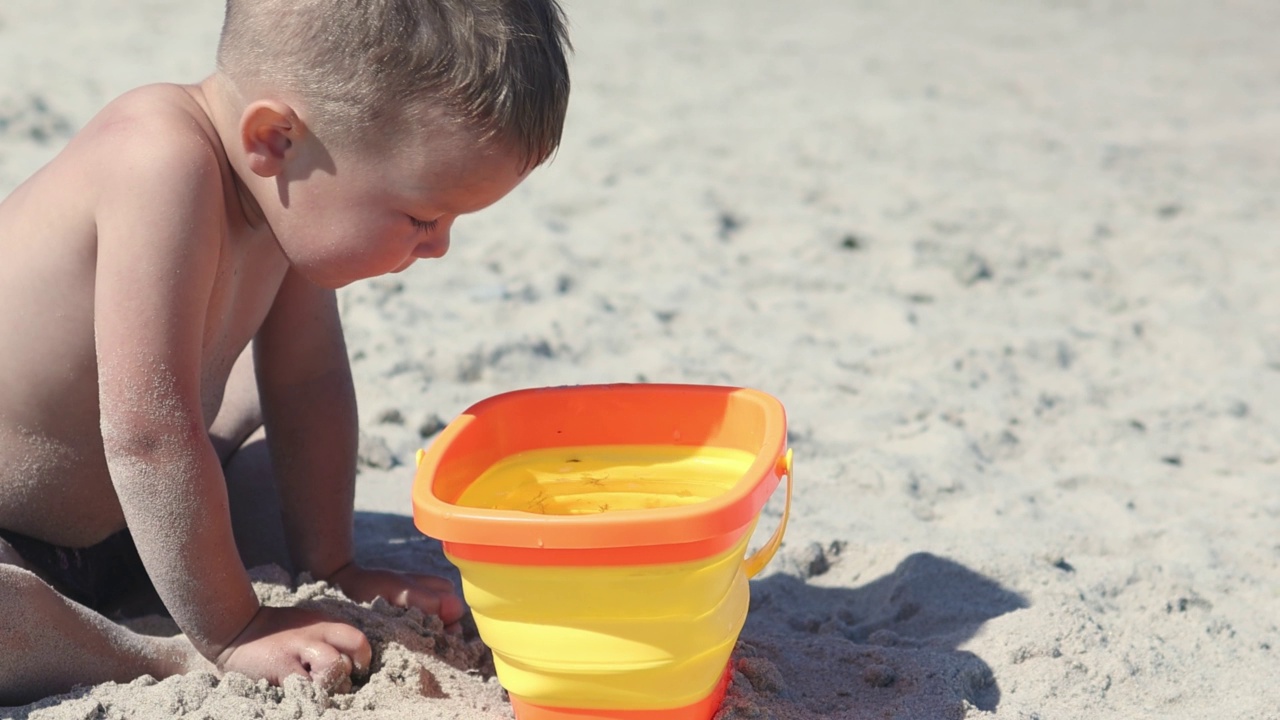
x,y
609,637
640,637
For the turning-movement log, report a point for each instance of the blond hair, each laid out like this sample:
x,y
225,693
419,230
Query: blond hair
x,y
363,65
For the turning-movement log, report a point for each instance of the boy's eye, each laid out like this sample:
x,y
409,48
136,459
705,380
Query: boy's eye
x,y
423,225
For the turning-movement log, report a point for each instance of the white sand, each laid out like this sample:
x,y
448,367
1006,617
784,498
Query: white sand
x,y
1011,267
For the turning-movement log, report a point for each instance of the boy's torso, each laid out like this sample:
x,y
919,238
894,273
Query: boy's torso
x,y
54,483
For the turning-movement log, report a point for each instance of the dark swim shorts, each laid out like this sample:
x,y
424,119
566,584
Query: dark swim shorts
x,y
98,576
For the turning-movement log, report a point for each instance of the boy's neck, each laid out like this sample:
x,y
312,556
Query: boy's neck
x,y
223,104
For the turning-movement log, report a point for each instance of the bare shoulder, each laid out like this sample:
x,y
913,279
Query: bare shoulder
x,y
152,143
154,139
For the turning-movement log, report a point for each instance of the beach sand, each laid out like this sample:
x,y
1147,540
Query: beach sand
x,y
1011,267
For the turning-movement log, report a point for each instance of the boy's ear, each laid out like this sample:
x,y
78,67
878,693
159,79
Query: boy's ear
x,y
268,131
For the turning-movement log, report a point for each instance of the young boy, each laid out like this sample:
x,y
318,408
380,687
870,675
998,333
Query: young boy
x,y
167,300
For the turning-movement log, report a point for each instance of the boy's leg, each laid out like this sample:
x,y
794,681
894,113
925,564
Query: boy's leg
x,y
238,437
52,643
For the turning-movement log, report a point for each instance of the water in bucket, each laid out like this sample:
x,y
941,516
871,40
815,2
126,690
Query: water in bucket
x,y
613,478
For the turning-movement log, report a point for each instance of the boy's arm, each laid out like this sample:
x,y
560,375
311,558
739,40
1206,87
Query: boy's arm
x,y
159,223
308,403
309,409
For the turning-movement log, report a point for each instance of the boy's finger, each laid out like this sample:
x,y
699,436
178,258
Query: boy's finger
x,y
446,605
328,668
352,643
451,608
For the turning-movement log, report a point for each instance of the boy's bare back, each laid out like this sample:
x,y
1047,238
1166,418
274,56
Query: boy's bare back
x,y
167,305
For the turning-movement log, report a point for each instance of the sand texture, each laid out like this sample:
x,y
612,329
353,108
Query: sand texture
x,y
1012,268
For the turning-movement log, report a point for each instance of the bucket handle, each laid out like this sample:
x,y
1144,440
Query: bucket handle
x,y
760,558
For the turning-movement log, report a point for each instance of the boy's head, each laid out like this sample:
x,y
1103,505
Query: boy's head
x,y
369,70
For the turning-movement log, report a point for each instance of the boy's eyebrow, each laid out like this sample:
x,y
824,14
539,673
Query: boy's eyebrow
x,y
435,208
443,203
443,210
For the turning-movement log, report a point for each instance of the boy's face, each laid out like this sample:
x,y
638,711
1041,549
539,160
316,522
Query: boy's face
x,y
354,215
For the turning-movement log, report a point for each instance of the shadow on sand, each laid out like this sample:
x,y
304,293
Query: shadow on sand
x,y
392,541
887,649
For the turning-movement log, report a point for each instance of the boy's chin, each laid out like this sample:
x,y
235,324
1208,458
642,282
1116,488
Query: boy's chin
x,y
334,281
328,281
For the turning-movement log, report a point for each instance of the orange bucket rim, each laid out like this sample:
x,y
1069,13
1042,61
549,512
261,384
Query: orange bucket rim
x,y
726,513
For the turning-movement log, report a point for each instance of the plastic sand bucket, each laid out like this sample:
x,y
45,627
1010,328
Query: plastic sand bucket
x,y
601,533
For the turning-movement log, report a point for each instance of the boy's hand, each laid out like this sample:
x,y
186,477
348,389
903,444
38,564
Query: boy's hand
x,y
430,594
280,642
